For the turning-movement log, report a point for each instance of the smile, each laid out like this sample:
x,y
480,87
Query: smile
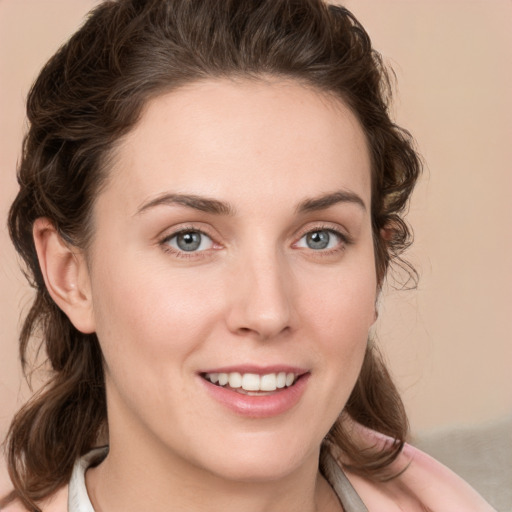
x,y
256,392
252,383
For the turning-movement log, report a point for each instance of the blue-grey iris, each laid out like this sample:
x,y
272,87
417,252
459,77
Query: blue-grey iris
x,y
188,241
318,239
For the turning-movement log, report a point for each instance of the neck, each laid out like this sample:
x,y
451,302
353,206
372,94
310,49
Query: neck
x,y
164,482
144,472
123,484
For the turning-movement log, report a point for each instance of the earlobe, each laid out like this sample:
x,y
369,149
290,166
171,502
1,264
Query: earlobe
x,y
373,327
65,274
378,304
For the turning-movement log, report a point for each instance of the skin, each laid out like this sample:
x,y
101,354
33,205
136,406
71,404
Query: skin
x,y
255,292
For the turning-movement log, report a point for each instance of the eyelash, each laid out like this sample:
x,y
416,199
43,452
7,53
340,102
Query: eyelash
x,y
164,243
346,240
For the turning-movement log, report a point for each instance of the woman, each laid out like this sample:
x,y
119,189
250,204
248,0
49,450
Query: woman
x,y
210,196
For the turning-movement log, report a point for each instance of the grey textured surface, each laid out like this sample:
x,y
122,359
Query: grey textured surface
x,y
481,455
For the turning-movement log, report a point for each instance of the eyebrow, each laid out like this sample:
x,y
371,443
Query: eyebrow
x,y
203,204
214,206
327,200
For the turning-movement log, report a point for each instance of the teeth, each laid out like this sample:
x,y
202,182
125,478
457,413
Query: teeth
x,y
253,381
235,380
268,382
280,381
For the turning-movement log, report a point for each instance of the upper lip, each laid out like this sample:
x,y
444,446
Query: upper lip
x,y
258,370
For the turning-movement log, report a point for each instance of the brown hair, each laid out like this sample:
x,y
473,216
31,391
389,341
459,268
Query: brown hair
x,y
90,94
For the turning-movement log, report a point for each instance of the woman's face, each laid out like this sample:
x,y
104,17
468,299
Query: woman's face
x,y
233,242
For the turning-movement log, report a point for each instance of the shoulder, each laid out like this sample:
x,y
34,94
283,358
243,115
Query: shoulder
x,y
422,484
437,486
57,502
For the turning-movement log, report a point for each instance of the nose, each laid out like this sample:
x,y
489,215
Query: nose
x,y
260,297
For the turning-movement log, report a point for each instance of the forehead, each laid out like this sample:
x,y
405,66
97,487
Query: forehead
x,y
245,137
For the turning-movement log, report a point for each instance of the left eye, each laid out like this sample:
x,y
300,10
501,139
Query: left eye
x,y
190,241
320,239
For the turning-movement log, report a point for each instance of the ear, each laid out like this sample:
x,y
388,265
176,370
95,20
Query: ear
x,y
65,274
378,302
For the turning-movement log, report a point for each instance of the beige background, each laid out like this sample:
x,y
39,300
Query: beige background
x,y
449,342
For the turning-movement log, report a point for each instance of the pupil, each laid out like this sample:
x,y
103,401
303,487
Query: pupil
x,y
189,241
318,240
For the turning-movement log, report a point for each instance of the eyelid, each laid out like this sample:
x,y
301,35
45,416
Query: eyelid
x,y
325,226
180,233
184,227
344,241
169,234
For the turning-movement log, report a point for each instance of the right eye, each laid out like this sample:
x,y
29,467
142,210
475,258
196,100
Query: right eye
x,y
189,241
321,240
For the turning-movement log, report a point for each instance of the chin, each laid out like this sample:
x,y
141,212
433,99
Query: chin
x,y
261,462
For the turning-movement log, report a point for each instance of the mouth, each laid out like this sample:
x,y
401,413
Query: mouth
x,y
253,384
256,392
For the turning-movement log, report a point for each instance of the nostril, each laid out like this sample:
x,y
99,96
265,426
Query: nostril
x,y
263,332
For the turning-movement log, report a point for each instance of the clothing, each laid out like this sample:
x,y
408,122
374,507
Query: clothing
x,y
421,483
347,495
78,499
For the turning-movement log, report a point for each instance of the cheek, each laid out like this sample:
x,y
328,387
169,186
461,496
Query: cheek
x,y
343,302
336,322
338,318
142,315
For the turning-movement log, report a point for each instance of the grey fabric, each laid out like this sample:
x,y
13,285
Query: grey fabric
x,y
347,495
481,455
78,499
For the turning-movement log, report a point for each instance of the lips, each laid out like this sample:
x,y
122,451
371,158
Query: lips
x,y
256,392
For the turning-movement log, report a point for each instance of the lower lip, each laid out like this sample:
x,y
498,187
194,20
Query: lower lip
x,y
262,406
